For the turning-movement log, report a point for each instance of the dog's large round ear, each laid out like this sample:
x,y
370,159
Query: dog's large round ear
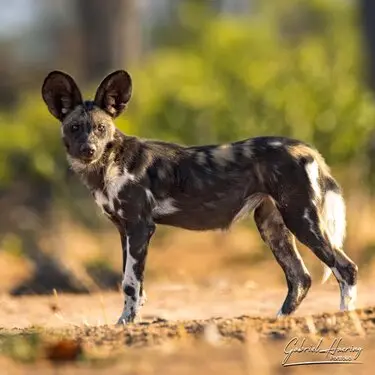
x,y
61,94
114,92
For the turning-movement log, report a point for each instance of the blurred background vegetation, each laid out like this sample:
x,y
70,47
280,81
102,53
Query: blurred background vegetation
x,y
204,72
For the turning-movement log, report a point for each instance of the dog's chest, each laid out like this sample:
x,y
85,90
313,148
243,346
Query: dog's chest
x,y
115,180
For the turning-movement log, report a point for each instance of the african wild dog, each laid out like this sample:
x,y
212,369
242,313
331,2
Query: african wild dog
x,y
140,183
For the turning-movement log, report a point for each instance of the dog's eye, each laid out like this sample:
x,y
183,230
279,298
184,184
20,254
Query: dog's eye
x,y
74,128
101,128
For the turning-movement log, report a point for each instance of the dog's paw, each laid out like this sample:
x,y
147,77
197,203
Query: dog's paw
x,y
126,318
123,321
280,315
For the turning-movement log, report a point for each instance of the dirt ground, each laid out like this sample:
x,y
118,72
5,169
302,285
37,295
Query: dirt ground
x,y
209,311
171,302
219,328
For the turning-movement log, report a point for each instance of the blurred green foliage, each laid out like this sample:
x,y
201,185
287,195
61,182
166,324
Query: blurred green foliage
x,y
290,68
293,69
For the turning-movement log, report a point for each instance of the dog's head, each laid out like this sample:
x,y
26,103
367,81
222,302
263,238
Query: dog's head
x,y
87,126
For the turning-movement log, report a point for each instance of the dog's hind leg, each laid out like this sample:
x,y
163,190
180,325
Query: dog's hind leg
x,y
307,224
282,243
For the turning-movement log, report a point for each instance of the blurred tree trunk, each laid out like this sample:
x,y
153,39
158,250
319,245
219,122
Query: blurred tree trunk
x,y
367,13
231,6
111,36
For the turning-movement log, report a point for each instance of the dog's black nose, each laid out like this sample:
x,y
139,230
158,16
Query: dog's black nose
x,y
88,150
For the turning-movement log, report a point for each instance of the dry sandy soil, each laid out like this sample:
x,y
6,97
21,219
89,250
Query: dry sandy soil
x,y
219,328
209,310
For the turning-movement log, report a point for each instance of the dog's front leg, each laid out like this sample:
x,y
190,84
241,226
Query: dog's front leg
x,y
135,245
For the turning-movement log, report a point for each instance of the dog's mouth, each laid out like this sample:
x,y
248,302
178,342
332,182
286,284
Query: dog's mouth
x,y
88,159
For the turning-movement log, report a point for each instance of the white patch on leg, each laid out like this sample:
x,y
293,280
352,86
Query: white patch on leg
x,y
311,223
348,292
350,297
130,279
312,170
280,314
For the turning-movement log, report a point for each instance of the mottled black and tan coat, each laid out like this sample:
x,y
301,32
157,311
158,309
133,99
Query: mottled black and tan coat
x,y
141,183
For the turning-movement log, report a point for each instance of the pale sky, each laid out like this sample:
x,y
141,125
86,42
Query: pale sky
x,y
15,15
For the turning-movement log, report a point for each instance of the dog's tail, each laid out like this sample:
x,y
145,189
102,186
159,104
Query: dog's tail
x,y
334,217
